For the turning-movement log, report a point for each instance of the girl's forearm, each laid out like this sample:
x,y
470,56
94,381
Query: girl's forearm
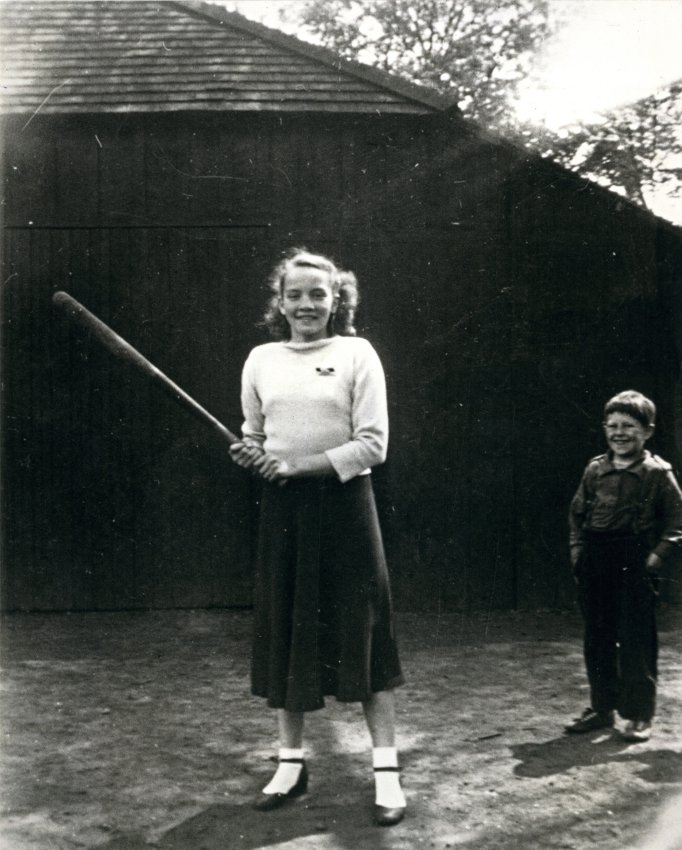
x,y
311,466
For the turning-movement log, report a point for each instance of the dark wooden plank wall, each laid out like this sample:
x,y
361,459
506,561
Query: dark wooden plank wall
x,y
124,501
500,339
166,228
598,309
544,297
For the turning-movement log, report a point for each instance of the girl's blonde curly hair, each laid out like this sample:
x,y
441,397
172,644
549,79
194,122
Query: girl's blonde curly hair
x,y
344,286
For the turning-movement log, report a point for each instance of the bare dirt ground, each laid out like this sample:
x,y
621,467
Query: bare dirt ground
x,y
137,730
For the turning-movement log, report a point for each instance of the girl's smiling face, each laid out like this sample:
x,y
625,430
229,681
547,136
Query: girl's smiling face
x,y
626,435
307,303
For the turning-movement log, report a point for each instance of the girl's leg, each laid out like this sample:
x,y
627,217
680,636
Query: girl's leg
x,y
380,716
290,764
290,729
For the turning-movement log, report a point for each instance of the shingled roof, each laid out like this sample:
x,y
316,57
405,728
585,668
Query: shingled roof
x,y
122,56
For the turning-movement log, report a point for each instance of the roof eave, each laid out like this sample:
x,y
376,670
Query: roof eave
x,y
420,95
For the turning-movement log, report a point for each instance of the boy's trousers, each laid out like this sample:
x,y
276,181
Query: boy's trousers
x,y
617,599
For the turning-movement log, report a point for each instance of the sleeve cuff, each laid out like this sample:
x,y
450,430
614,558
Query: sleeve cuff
x,y
345,464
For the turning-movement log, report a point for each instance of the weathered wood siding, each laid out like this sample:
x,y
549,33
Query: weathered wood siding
x,y
506,299
167,229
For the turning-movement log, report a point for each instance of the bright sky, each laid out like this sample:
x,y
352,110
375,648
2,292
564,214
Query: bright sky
x,y
611,52
265,11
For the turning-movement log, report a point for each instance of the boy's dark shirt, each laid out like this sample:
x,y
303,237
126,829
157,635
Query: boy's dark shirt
x,y
643,498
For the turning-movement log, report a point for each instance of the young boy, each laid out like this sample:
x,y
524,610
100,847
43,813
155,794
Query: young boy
x,y
625,520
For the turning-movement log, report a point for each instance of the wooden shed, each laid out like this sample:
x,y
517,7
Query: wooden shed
x,y
158,159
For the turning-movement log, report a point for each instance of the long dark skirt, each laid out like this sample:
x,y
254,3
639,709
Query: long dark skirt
x,y
323,615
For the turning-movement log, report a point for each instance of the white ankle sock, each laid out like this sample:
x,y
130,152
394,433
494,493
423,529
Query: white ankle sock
x,y
387,782
287,773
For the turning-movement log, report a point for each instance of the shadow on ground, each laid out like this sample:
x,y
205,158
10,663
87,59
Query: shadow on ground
x,y
130,731
559,755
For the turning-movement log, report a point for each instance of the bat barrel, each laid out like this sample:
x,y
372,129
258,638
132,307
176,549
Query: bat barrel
x,y
123,350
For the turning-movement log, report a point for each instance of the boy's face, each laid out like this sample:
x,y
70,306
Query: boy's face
x,y
626,435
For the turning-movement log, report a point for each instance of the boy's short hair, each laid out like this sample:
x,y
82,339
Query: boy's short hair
x,y
634,404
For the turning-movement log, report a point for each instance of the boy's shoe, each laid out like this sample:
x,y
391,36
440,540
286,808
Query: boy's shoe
x,y
637,730
590,720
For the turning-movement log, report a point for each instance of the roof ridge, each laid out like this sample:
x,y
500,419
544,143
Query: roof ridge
x,y
396,85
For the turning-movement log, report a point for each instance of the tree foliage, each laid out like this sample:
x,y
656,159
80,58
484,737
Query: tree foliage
x,y
477,48
635,149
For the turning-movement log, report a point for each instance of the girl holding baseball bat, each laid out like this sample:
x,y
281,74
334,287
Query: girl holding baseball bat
x,y
315,421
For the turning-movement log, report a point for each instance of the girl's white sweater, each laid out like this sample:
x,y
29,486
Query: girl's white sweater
x,y
310,397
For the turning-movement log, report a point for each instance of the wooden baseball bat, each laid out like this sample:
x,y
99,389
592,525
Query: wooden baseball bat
x,y
124,351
